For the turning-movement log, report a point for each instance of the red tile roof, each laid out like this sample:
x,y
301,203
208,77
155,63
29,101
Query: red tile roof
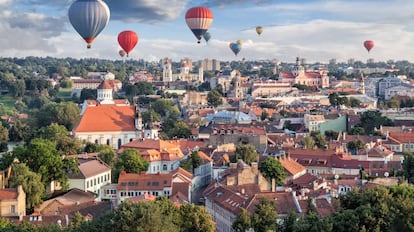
x,y
107,118
9,193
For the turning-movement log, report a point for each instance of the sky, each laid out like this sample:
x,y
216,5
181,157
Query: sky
x,y
317,30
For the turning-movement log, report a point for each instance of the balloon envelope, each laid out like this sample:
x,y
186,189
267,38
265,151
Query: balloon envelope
x,y
259,30
199,19
368,44
239,42
127,40
89,18
235,47
207,36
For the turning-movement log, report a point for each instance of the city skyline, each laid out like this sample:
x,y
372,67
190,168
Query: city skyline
x,y
315,30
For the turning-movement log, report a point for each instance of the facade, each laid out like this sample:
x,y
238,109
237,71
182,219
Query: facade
x,y
270,88
170,185
386,83
225,134
402,90
93,174
312,121
210,65
13,202
299,75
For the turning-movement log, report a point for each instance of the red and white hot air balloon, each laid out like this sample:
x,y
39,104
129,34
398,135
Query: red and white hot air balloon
x,y
199,19
127,40
368,44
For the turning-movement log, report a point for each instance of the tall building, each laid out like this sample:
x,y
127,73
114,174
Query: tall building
x,y
167,71
210,65
189,62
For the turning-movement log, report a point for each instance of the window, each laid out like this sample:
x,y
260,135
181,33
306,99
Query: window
x,y
119,143
12,209
108,142
96,141
164,167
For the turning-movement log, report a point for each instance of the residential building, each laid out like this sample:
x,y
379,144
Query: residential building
x,y
13,203
92,174
386,83
312,121
175,185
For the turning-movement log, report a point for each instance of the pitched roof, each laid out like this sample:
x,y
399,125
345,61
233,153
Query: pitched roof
x,y
9,193
89,168
133,181
107,118
285,202
291,166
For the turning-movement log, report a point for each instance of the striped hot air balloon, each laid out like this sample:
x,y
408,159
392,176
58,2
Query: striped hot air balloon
x,y
89,18
199,19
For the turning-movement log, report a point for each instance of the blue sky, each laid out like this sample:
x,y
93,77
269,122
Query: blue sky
x,y
316,30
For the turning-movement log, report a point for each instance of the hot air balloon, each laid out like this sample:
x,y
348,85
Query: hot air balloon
x,y
259,30
235,47
89,18
122,53
199,19
368,44
207,36
239,42
127,40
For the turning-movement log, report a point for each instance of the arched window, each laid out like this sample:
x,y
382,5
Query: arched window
x,y
96,141
108,142
164,167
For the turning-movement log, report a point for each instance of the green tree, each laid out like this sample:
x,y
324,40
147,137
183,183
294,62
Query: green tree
x,y
107,154
214,98
144,88
408,166
319,139
196,160
246,152
331,134
370,120
77,220
150,115
355,146
131,161
42,157
195,219
308,142
242,223
265,216
271,168
30,182
4,138
180,130
357,131
19,131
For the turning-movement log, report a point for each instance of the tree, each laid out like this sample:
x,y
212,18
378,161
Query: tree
x,y
355,146
42,157
271,168
144,88
265,216
308,141
288,222
195,219
77,220
214,98
242,223
196,160
357,131
319,139
64,113
107,154
4,138
65,144
149,115
370,120
331,134
19,131
180,130
246,152
131,161
408,166
31,183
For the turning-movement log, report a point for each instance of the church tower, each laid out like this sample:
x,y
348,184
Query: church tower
x,y
150,132
298,70
104,92
138,118
167,71
361,83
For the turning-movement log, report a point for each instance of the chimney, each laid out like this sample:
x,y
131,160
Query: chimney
x,y
255,166
273,185
233,166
